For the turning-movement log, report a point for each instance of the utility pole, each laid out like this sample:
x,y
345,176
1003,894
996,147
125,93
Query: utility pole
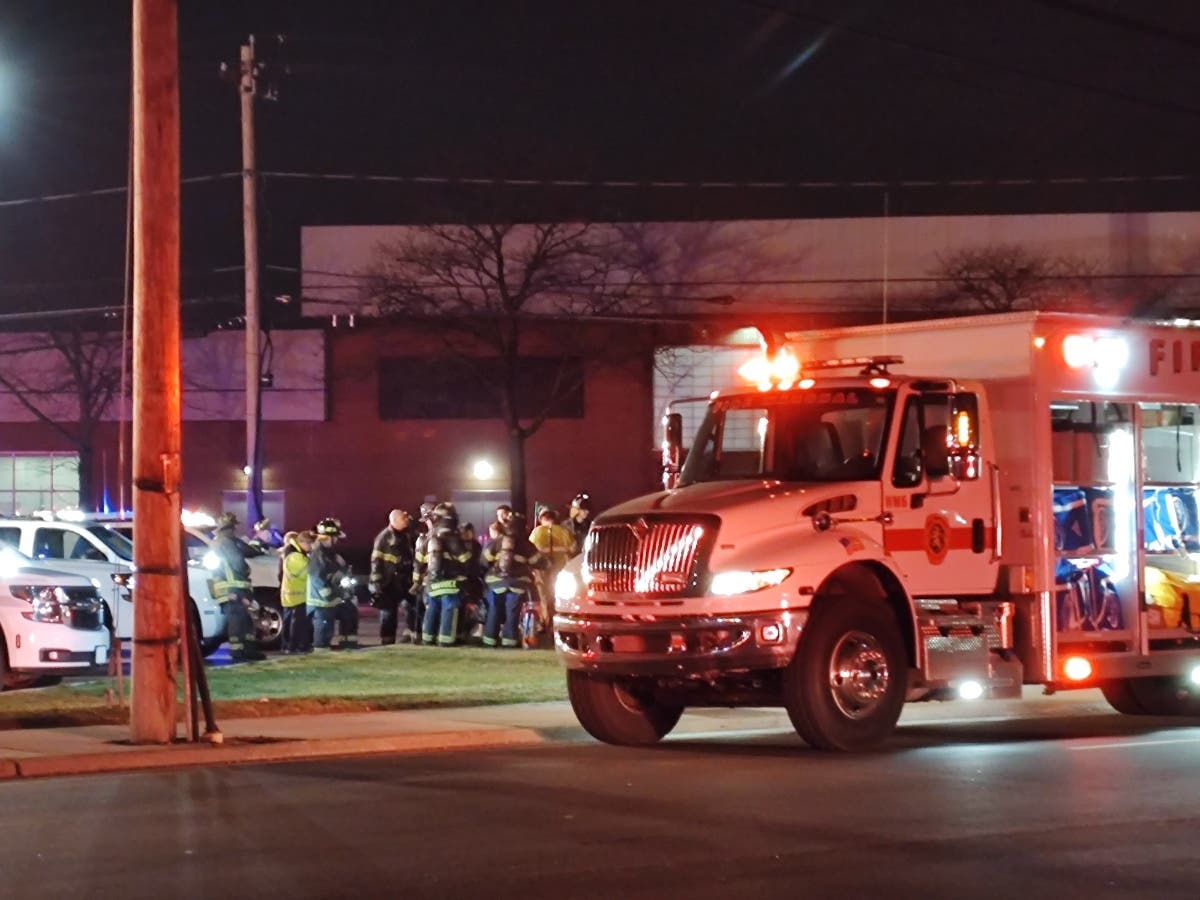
x,y
247,89
157,388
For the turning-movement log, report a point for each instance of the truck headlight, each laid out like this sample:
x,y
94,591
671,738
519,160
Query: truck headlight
x,y
727,584
566,586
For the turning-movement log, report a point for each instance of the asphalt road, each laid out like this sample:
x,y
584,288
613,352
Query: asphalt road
x,y
1075,805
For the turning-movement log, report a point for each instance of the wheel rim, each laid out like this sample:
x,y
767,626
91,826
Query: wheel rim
x,y
858,674
627,698
270,624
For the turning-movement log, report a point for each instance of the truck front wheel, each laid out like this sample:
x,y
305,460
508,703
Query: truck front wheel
x,y
845,686
620,710
1151,697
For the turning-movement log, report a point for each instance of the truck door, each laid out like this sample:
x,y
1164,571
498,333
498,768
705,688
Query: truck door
x,y
940,508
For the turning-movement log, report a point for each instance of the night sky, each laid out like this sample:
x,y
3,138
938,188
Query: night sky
x,y
1068,93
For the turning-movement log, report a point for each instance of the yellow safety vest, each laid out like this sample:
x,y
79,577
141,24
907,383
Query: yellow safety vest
x,y
293,588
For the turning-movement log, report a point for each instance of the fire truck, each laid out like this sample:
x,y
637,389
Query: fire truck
x,y
923,511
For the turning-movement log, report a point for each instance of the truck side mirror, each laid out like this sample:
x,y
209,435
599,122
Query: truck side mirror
x,y
934,452
672,448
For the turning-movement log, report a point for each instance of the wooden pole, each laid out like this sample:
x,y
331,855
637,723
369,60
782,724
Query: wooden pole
x,y
247,89
158,601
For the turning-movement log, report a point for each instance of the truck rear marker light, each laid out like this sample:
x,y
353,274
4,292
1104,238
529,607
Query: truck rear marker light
x,y
1077,668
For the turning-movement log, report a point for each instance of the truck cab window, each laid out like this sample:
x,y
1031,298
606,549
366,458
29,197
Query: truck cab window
x,y
957,415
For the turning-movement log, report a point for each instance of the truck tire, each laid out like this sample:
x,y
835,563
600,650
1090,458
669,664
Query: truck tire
x,y
1152,697
1121,697
619,710
845,687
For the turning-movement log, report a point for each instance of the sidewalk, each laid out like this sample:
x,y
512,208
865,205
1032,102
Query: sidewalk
x,y
38,752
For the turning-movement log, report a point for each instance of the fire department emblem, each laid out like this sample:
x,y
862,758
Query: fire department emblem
x,y
937,539
640,529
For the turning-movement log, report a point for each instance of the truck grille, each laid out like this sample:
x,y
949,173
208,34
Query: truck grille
x,y
649,555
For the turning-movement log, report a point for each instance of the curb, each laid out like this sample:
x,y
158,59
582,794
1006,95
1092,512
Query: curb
x,y
235,753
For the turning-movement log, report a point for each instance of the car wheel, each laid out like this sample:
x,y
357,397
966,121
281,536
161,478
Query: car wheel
x,y
10,681
845,687
268,626
620,710
209,645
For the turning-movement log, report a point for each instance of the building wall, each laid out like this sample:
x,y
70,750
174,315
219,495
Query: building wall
x,y
356,467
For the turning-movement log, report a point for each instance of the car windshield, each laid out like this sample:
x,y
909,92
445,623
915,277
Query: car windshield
x,y
113,540
833,434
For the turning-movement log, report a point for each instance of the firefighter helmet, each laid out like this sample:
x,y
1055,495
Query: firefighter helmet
x,y
582,500
330,527
226,520
445,515
262,524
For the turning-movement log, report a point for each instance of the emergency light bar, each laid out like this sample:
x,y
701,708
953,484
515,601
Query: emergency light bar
x,y
871,365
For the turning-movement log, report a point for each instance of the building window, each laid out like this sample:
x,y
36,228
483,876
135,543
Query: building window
x,y
32,481
421,387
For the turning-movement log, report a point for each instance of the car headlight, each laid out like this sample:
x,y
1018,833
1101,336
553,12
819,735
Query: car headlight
x,y
726,584
566,586
348,581
47,602
211,561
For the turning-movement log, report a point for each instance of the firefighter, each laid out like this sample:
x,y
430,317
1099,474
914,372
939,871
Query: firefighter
x,y
579,519
233,591
417,603
444,559
293,591
473,610
391,575
504,514
325,595
556,544
510,558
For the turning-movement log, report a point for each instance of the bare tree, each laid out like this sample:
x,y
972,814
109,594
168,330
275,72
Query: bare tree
x,y
69,388
1007,277
498,294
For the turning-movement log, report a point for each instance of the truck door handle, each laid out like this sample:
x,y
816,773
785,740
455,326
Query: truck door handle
x,y
997,526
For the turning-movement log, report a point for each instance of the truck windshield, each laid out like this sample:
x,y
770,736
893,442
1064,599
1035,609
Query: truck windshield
x,y
812,435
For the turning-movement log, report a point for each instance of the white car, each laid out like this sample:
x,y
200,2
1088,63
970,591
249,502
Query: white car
x,y
264,576
93,549
52,624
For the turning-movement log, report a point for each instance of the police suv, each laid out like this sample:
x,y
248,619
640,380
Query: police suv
x,y
51,624
76,543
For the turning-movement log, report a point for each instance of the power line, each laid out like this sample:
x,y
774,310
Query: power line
x,y
103,192
636,184
1007,68
651,184
1123,22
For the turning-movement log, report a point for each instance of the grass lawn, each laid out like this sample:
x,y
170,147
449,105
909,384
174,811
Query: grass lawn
x,y
398,677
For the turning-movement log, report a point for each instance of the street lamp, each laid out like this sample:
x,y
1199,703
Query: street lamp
x,y
483,470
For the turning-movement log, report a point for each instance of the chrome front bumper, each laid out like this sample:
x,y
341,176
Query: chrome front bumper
x,y
677,646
